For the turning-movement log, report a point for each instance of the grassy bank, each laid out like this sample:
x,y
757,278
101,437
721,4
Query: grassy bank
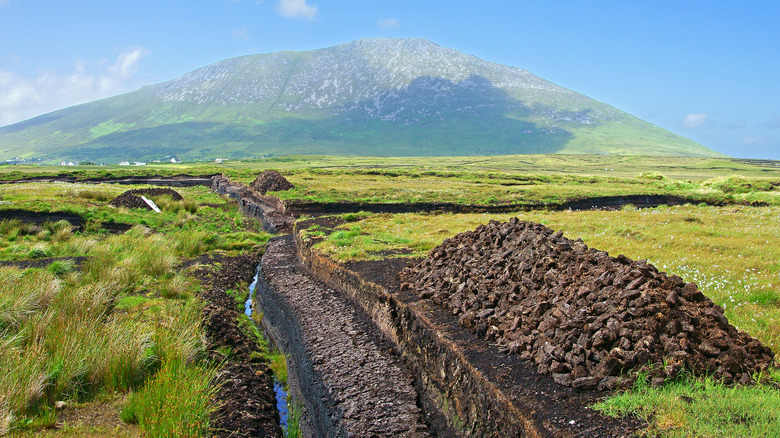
x,y
124,324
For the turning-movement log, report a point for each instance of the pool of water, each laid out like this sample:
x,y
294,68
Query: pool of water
x,y
281,394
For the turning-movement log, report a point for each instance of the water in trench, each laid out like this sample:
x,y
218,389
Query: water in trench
x,y
281,394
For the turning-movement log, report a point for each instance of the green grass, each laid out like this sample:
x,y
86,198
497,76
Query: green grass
x,y
177,401
126,321
295,412
700,408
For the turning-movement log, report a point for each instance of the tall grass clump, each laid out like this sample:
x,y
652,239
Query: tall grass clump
x,y
177,401
22,295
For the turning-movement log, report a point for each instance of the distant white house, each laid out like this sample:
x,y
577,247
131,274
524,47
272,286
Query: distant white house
x,y
124,163
175,160
138,163
69,163
218,160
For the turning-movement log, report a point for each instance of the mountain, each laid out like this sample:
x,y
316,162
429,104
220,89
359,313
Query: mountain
x,y
380,97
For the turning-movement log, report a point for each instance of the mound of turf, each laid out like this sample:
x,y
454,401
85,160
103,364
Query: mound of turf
x,y
589,319
271,181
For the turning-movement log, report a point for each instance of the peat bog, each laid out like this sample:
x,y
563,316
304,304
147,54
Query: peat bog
x,y
505,315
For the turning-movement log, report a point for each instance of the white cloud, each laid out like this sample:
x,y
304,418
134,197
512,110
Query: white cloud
x,y
695,120
737,125
388,23
22,98
296,9
242,34
754,141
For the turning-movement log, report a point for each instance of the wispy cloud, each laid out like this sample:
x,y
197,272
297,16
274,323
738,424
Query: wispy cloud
x,y
296,9
773,123
695,120
757,140
22,97
388,23
241,34
737,125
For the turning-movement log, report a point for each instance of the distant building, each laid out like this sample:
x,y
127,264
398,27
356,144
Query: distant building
x,y
124,163
138,163
218,160
69,163
175,160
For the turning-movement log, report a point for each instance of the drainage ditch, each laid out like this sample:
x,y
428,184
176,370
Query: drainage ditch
x,y
341,369
279,390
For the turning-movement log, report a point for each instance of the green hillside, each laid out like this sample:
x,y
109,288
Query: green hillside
x,y
376,97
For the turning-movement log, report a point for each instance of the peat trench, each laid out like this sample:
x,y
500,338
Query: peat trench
x,y
153,180
340,368
299,208
367,359
245,398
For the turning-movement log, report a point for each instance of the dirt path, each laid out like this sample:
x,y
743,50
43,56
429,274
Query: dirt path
x,y
350,382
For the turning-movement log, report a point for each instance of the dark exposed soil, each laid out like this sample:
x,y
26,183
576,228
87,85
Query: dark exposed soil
x,y
43,262
155,180
588,319
298,207
269,210
351,381
559,411
129,200
132,198
247,403
38,218
157,191
270,181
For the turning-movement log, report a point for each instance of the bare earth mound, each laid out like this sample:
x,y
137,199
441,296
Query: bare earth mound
x,y
585,317
132,198
157,192
129,200
270,181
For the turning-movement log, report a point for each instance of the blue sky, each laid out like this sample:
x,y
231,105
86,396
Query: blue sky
x,y
705,70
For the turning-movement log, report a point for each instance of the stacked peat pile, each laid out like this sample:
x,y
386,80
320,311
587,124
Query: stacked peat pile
x,y
270,181
129,200
585,317
157,192
132,198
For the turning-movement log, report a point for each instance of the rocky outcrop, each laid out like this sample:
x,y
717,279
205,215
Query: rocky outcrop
x,y
588,319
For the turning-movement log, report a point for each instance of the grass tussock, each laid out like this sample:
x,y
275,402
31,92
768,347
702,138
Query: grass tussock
x,y
177,401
